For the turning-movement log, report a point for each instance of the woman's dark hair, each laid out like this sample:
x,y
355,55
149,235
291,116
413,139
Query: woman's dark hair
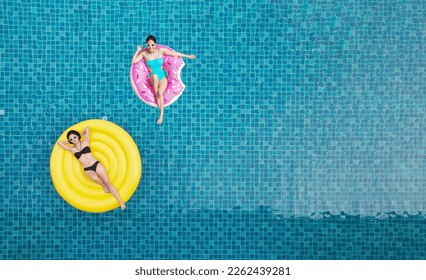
x,y
150,37
73,132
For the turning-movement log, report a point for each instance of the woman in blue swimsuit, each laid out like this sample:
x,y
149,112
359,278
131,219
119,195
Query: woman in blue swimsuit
x,y
92,167
153,57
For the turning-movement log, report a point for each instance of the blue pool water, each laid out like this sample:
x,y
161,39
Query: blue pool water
x,y
300,134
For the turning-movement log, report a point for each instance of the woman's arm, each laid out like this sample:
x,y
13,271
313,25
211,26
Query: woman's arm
x,y
86,134
172,53
63,144
138,55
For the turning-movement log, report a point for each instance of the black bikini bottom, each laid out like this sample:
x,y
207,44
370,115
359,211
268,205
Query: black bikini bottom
x,y
92,167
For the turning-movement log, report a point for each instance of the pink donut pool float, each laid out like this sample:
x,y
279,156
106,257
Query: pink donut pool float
x,y
140,81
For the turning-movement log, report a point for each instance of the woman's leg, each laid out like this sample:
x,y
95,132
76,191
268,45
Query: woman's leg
x,y
160,98
153,80
156,84
103,176
92,175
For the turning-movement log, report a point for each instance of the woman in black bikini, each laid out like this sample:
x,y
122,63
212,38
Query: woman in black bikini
x,y
92,167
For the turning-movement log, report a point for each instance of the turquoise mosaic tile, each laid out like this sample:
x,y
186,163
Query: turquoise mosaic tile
x,y
300,134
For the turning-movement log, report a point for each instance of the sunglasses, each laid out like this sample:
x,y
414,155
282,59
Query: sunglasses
x,y
152,45
72,138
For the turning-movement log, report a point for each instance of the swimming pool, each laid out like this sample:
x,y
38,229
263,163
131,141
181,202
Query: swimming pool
x,y
300,134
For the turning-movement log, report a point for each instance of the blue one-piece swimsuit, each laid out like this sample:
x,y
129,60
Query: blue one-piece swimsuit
x,y
156,66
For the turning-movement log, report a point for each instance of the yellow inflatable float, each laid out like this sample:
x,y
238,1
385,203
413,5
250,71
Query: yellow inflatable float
x,y
117,152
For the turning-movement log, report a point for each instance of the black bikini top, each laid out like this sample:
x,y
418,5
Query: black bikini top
x,y
85,150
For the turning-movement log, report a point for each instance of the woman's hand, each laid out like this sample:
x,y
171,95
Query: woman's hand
x,y
191,56
138,55
85,131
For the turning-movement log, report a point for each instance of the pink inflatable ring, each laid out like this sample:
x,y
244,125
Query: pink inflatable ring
x,y
140,82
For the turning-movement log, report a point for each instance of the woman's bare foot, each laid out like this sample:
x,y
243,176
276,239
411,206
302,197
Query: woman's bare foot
x,y
160,118
123,206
